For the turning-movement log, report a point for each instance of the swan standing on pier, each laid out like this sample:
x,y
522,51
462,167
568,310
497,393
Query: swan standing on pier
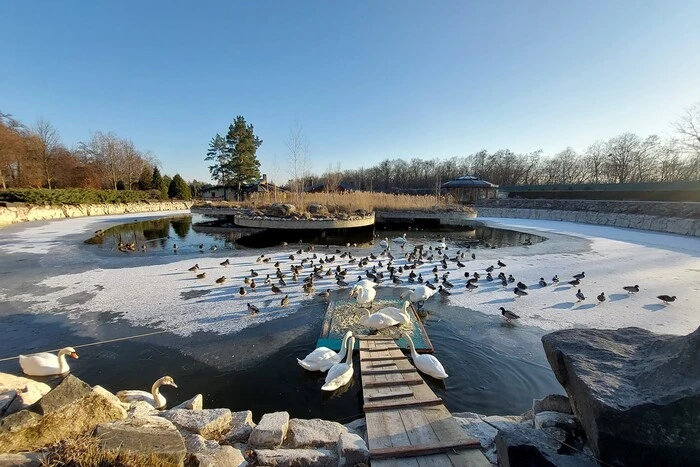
x,y
341,373
426,363
419,295
155,398
46,364
364,295
323,358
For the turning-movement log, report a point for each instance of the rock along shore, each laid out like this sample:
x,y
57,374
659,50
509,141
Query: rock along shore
x,y
15,213
633,399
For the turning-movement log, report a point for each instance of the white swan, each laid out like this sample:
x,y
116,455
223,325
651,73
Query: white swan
x,y
441,244
155,398
364,295
399,314
400,239
426,363
419,294
384,243
45,363
323,358
377,320
340,373
366,284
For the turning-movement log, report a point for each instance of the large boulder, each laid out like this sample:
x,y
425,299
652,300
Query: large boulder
x,y
146,436
318,210
241,426
18,392
70,409
221,456
281,210
210,423
524,446
296,457
637,394
313,433
271,430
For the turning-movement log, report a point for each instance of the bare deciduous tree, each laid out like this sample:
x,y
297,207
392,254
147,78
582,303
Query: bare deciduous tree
x,y
298,157
688,127
49,143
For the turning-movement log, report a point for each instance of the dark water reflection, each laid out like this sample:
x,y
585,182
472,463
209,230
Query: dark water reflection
x,y
197,233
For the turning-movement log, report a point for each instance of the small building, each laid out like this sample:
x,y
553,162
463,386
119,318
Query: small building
x,y
230,192
468,189
321,187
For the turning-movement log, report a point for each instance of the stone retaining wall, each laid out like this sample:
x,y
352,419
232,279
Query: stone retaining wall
x,y
674,225
17,213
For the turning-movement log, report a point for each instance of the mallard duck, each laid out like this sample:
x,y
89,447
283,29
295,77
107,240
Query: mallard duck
x,y
221,280
253,309
580,296
194,268
508,315
225,263
285,301
601,297
667,298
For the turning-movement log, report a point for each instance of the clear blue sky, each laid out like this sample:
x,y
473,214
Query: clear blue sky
x,y
365,80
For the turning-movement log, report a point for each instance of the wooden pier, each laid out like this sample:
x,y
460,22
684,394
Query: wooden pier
x,y
407,424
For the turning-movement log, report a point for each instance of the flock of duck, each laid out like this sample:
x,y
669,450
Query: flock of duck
x,y
308,269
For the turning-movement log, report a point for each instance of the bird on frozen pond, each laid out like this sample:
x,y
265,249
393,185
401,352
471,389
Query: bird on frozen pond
x,y
501,264
580,296
631,288
601,297
253,309
194,268
443,292
521,286
508,315
575,282
519,293
242,291
542,282
667,298
555,279
580,276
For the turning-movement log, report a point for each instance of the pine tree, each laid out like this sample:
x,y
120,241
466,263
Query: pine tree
x,y
156,179
234,156
146,178
179,189
165,186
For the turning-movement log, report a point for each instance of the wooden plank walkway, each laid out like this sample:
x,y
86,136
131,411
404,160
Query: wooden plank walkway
x,y
407,424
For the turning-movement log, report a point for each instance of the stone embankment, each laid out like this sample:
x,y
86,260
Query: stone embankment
x,y
633,399
677,218
15,213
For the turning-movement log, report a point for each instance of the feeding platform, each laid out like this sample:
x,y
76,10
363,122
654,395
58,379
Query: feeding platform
x,y
344,315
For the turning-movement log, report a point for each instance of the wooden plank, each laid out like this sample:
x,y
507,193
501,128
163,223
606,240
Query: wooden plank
x,y
389,371
389,395
382,359
373,338
372,406
382,365
404,382
423,449
447,428
375,349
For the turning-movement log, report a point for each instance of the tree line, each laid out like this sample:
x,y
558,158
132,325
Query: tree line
x,y
626,158
34,157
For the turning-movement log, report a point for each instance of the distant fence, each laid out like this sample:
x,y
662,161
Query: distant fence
x,y
665,191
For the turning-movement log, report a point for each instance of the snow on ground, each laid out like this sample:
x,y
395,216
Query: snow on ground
x,y
168,296
40,237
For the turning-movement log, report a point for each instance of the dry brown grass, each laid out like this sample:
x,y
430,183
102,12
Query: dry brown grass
x,y
85,451
353,201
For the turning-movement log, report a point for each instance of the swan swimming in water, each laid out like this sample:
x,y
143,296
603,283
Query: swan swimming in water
x,y
155,398
426,363
384,243
46,364
323,358
364,295
340,374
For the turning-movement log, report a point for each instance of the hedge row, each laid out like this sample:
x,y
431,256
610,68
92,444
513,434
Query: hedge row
x,y
74,196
